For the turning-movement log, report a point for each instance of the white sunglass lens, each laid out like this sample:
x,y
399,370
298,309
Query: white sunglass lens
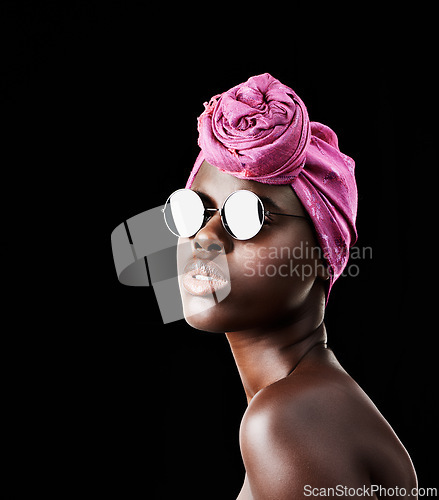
x,y
243,214
184,213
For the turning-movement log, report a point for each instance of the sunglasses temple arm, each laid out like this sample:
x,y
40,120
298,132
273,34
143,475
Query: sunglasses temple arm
x,y
267,212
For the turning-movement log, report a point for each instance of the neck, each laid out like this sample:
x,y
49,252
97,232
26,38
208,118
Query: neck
x,y
264,356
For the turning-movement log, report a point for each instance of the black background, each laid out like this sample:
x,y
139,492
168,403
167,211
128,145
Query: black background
x,y
100,104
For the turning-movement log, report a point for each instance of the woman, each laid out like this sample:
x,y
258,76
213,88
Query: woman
x,y
265,224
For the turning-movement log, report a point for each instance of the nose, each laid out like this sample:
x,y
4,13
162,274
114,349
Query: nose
x,y
212,239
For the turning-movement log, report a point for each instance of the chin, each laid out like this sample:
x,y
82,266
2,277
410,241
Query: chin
x,y
206,315
208,311
203,324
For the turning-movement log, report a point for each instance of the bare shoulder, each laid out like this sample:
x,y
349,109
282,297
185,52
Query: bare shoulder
x,y
317,427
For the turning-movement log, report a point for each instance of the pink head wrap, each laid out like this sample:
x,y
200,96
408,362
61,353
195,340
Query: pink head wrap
x,y
260,131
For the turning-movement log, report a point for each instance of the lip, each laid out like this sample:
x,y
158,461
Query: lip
x,y
203,277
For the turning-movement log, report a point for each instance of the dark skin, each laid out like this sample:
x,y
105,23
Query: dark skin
x,y
307,421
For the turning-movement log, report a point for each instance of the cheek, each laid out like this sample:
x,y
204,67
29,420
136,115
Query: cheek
x,y
276,277
271,279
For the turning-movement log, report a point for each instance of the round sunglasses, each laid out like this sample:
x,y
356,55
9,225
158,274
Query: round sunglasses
x,y
242,214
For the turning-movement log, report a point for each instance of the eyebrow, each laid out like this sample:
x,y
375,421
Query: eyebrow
x,y
268,201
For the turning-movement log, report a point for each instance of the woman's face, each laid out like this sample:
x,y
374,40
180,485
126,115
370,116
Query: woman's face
x,y
261,282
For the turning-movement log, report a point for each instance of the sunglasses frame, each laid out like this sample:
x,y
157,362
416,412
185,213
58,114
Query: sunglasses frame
x,y
266,213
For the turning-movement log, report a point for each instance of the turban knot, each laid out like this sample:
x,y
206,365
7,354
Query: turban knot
x,y
258,130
